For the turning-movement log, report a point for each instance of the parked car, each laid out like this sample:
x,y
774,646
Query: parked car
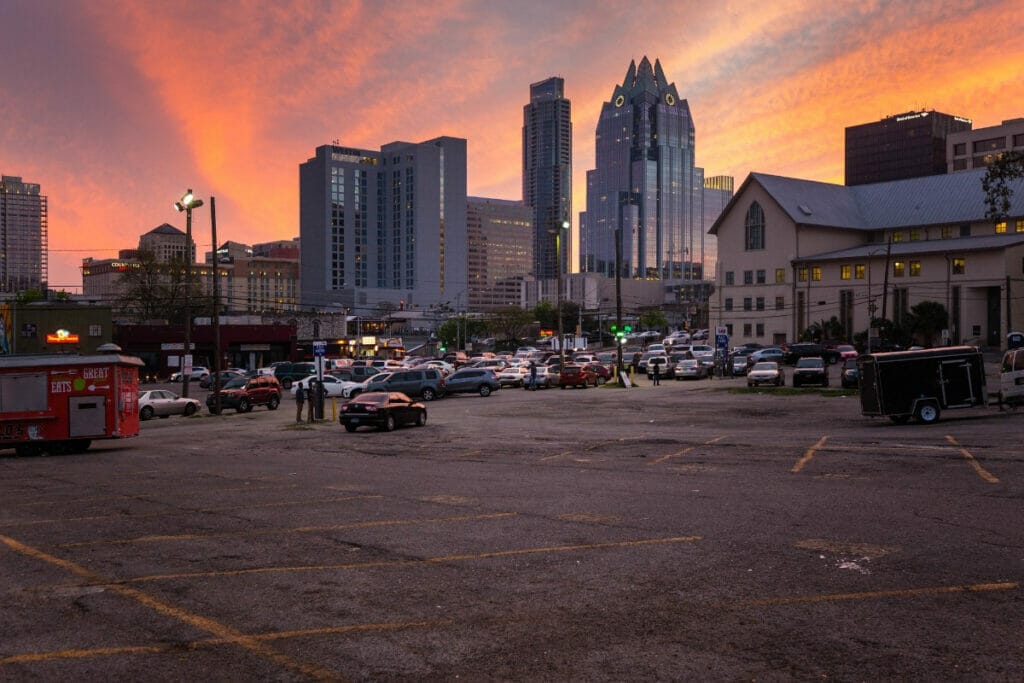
x,y
472,380
766,372
573,375
333,386
850,376
846,351
383,410
677,337
515,376
772,353
690,368
603,372
286,373
197,374
809,350
353,389
427,383
739,366
355,373
659,365
242,393
160,403
810,371
646,357
225,376
544,378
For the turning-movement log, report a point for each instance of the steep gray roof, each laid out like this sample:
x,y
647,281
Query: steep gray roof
x,y
932,200
165,229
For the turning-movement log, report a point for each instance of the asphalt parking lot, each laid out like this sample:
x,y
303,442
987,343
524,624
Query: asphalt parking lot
x,y
695,530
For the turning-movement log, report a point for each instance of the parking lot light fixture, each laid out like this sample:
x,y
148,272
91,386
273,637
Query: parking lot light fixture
x,y
188,202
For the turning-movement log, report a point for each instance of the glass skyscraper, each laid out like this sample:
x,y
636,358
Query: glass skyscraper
x,y
23,236
547,172
645,184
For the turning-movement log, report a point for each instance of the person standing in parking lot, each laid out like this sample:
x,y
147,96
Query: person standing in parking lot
x,y
300,399
533,376
635,366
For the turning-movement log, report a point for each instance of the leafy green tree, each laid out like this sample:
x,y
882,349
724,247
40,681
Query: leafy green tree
x,y
926,320
995,183
653,319
545,314
508,322
29,295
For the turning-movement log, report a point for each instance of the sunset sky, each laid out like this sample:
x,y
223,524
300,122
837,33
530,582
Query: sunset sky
x,y
115,108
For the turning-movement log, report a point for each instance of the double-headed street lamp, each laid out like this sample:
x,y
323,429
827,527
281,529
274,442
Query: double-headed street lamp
x,y
188,202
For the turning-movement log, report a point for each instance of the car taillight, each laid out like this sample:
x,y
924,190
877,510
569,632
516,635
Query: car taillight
x,y
370,408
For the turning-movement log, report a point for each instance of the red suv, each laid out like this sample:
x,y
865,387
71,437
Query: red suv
x,y
576,376
242,393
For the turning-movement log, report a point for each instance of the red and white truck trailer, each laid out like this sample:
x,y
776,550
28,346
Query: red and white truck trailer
x,y
57,403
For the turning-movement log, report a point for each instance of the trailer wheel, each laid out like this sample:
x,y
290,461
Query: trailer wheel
x,y
927,412
79,445
900,419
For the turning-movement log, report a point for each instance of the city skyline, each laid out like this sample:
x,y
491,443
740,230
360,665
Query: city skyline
x,y
115,109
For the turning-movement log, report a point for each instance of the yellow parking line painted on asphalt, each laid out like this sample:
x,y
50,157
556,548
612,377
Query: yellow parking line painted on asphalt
x,y
226,633
686,450
873,595
982,472
84,653
445,559
809,454
557,455
296,530
179,511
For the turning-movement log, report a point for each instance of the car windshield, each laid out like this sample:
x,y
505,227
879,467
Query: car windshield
x,y
235,383
810,363
766,366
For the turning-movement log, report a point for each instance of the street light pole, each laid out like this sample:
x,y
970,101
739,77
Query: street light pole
x,y
187,202
563,225
216,307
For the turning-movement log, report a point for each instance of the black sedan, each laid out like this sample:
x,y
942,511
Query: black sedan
x,y
850,376
384,410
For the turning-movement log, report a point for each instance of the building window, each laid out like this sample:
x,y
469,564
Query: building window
x,y
728,329
728,303
780,274
960,149
915,269
760,329
730,278
1001,228
759,303
748,303
845,272
915,234
1018,140
858,271
801,274
990,145
755,227
899,268
780,302
746,329
959,164
959,265
947,231
965,230
816,273
761,277
748,277
1019,227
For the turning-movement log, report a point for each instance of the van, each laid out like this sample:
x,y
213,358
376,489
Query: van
x,y
1011,378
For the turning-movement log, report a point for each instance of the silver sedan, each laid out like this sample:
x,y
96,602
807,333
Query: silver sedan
x,y
161,403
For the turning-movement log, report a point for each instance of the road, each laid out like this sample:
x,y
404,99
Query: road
x,y
694,530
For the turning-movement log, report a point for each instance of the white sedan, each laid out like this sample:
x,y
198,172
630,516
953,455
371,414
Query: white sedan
x,y
332,384
160,403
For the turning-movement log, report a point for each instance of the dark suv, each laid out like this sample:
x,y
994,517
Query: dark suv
x,y
472,380
242,393
286,373
810,371
809,350
427,383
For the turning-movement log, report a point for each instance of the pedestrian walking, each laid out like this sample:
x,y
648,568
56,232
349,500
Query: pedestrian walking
x,y
300,399
655,371
533,376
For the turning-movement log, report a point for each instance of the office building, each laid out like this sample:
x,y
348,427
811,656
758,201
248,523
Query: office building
x,y
908,145
23,237
717,193
979,147
644,186
383,229
794,254
547,174
500,252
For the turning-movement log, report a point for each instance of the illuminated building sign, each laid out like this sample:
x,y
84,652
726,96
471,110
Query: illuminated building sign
x,y
61,337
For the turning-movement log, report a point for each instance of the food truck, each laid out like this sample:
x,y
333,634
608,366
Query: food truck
x,y
60,403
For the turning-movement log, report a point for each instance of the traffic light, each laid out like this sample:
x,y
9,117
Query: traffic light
x,y
620,335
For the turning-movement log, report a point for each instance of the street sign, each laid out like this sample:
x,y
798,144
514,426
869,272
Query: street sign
x,y
722,341
319,349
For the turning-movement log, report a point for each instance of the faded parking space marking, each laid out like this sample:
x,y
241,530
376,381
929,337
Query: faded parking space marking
x,y
982,472
449,500
686,450
226,633
874,595
809,454
587,517
444,559
296,530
